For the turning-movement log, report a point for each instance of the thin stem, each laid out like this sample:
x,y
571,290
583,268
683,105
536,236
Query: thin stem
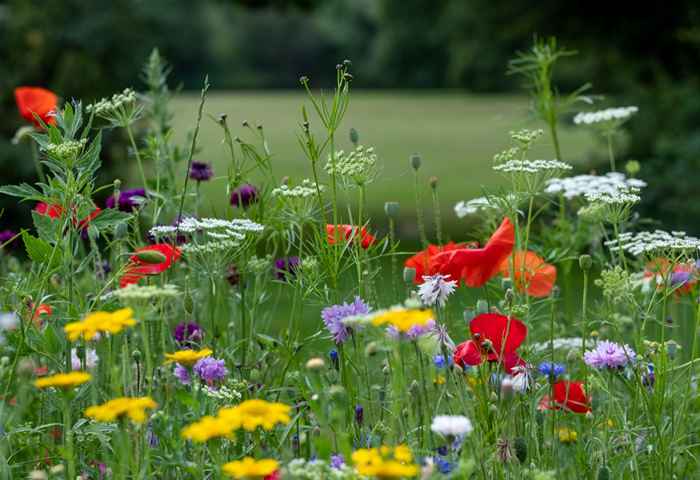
x,y
136,154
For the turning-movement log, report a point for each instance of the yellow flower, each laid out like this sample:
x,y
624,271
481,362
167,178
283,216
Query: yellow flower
x,y
187,357
404,319
255,413
207,428
566,435
134,408
250,468
63,380
439,380
385,462
100,322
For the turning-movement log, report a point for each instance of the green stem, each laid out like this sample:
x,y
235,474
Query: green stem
x,y
136,154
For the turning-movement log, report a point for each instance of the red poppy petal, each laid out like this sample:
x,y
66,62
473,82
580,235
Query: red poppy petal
x,y
36,100
572,396
506,334
467,353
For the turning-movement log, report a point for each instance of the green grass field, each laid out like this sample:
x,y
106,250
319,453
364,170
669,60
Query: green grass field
x,y
455,133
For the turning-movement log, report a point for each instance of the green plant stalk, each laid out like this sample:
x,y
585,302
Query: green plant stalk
x,y
419,212
68,437
436,213
130,134
611,153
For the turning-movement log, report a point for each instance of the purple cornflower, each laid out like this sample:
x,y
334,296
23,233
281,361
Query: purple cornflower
x,y
337,461
333,317
5,236
210,369
286,266
182,374
244,195
609,355
128,199
188,334
201,171
551,370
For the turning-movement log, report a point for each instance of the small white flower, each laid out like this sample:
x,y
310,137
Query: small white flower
x,y
531,166
462,208
563,343
654,242
581,185
91,359
619,114
435,289
451,425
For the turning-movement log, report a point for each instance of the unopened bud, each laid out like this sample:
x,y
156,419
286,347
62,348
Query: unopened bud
x,y
585,262
469,314
409,274
556,291
632,167
433,182
415,161
315,363
391,209
136,355
150,256
371,349
354,136
482,306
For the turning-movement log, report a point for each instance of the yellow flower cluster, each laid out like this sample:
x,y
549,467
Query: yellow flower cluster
x,y
250,468
247,415
63,380
403,319
566,435
385,462
134,408
100,322
187,357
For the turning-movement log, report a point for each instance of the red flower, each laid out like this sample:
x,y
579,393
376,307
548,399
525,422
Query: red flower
x,y
569,395
51,210
138,267
422,262
494,337
273,476
476,266
85,222
36,100
41,310
349,233
532,273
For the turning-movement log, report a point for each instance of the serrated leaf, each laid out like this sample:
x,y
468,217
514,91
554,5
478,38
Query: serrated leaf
x,y
40,251
46,227
109,219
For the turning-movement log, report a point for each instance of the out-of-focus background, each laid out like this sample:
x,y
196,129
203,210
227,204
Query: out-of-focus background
x,y
429,77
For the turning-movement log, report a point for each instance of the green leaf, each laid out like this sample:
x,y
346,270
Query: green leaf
x,y
23,191
46,227
109,219
40,251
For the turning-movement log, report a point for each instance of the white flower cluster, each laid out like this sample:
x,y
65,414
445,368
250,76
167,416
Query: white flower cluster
x,y
109,105
580,185
532,166
222,393
620,197
462,208
435,289
302,469
657,241
143,292
216,228
526,136
562,343
607,115
451,425
305,190
66,150
210,247
359,164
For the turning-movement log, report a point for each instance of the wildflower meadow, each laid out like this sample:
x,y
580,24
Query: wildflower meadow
x,y
289,335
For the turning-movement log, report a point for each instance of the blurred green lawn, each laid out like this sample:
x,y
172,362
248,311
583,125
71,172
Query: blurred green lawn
x,y
455,133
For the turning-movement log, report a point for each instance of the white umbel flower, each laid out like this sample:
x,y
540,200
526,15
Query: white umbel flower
x,y
531,166
451,425
658,241
435,289
581,185
618,114
306,189
462,208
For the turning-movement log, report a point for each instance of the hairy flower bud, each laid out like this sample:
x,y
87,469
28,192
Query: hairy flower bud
x,y
354,136
391,209
415,161
585,262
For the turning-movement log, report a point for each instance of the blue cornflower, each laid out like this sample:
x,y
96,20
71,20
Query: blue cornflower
x,y
551,369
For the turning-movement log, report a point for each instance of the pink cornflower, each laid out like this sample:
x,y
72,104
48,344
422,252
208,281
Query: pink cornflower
x,y
609,355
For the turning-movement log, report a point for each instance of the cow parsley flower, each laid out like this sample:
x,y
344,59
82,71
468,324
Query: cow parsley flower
x,y
358,166
306,189
451,425
532,166
657,242
609,115
435,289
609,355
582,185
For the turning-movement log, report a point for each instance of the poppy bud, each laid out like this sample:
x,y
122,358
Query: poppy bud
x,y
506,283
482,306
354,136
222,118
414,388
585,262
415,161
337,392
632,167
409,275
136,355
117,184
391,209
509,296
151,256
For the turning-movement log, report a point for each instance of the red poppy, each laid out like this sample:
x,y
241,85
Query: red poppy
x,y
569,395
51,210
36,100
476,266
138,268
273,476
85,222
532,273
422,262
349,232
495,337
41,310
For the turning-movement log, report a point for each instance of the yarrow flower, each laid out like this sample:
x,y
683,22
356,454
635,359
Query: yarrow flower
x,y
201,171
100,322
532,166
608,354
451,425
581,185
306,189
144,292
249,468
333,317
358,166
435,289
134,408
64,381
618,114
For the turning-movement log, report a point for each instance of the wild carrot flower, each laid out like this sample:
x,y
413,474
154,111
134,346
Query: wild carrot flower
x,y
385,462
100,322
608,354
451,425
244,196
249,468
435,289
128,199
36,101
187,357
201,171
333,317
64,381
134,408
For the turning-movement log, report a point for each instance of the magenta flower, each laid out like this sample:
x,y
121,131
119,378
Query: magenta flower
x,y
128,199
210,369
609,355
188,334
201,171
244,195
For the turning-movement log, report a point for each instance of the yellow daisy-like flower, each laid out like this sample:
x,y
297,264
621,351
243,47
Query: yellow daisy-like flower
x,y
187,357
63,380
250,468
255,413
100,322
566,435
207,428
134,408
403,319
385,462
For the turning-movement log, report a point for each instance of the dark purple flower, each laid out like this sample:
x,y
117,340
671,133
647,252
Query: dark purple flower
x,y
286,266
359,414
201,171
6,236
152,439
188,334
244,195
210,369
233,276
334,358
334,315
128,199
